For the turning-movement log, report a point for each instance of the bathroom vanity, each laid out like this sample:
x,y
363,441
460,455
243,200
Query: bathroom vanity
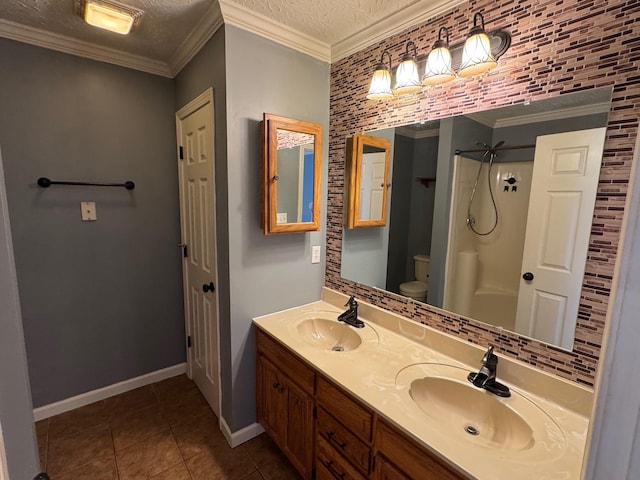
x,y
391,401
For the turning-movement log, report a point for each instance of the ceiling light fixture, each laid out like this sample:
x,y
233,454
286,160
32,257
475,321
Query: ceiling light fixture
x,y
478,54
109,15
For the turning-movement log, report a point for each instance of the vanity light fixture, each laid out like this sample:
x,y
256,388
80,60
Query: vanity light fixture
x,y
110,15
476,55
380,88
407,76
439,69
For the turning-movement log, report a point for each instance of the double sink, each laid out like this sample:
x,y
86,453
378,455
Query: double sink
x,y
448,401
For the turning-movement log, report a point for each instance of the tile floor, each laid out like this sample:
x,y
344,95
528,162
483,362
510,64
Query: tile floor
x,y
164,431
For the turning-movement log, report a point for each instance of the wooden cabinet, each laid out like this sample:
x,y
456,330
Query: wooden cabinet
x,y
340,439
407,458
284,407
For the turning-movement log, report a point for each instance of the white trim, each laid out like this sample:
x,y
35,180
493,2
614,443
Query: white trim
x,y
62,43
199,36
559,114
254,22
417,134
243,435
86,398
200,101
410,16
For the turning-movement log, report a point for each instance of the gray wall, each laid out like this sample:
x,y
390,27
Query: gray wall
x,y
257,76
101,301
16,416
268,273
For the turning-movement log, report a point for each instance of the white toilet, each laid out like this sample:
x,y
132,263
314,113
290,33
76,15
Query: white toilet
x,y
418,288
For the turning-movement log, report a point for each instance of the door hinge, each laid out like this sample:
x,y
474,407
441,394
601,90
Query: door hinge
x,y
185,254
181,153
189,341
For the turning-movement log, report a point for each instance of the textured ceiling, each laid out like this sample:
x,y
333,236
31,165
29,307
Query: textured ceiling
x,y
170,31
329,21
162,28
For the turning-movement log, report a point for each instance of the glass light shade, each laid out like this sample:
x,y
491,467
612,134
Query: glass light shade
x,y
109,18
476,55
407,77
380,88
438,69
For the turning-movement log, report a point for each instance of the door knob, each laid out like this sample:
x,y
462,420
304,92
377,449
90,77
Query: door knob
x,y
208,287
528,276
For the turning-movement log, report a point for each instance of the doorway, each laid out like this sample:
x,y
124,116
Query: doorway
x,y
196,170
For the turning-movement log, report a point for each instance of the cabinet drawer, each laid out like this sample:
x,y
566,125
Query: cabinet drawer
x,y
286,361
331,466
353,415
343,441
415,461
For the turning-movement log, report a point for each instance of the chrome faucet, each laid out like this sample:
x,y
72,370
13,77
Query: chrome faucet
x,y
350,317
486,377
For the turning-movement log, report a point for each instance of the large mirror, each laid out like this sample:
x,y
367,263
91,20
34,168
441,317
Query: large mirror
x,y
367,175
291,175
490,214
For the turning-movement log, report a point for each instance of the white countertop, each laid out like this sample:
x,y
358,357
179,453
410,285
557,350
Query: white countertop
x,y
372,373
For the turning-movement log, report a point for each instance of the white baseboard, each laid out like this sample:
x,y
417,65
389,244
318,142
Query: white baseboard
x,y
243,435
83,399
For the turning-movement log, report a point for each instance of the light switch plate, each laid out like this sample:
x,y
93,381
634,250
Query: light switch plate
x,y
315,254
281,217
88,210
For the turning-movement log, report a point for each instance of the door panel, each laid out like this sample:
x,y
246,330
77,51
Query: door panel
x,y
195,134
563,191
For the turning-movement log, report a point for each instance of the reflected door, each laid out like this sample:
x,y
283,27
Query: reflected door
x,y
563,193
197,210
372,186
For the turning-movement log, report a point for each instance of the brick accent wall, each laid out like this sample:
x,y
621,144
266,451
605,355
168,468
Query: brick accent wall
x,y
558,47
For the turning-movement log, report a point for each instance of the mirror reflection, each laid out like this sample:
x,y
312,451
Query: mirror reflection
x,y
295,177
490,214
368,180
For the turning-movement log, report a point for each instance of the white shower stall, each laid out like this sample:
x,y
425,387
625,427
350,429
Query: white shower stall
x,y
482,272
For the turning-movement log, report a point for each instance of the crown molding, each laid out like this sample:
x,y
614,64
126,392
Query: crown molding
x,y
417,134
211,21
558,114
62,43
410,16
251,21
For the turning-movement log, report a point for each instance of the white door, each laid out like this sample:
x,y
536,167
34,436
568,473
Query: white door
x,y
197,207
563,192
372,186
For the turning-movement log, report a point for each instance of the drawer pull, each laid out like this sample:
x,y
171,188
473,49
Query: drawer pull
x,y
278,387
333,471
332,438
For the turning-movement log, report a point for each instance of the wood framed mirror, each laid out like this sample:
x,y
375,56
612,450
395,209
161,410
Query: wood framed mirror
x,y
291,165
368,180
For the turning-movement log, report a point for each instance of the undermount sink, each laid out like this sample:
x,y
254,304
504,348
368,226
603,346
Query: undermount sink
x,y
457,408
332,335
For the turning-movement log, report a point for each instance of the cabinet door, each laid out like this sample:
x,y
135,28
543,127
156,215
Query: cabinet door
x,y
272,401
300,429
385,470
